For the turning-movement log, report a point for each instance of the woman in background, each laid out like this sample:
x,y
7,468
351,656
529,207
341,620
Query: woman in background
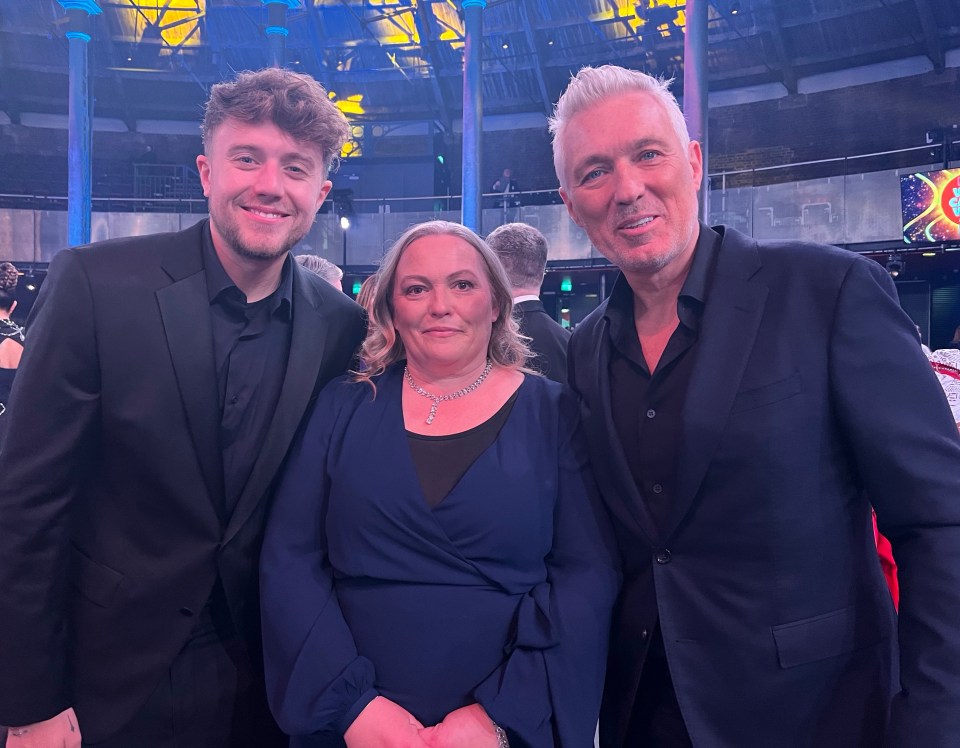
x,y
11,339
437,554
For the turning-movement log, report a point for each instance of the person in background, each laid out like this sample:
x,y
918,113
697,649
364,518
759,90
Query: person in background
x,y
457,594
744,403
11,339
367,290
523,251
507,186
162,383
324,268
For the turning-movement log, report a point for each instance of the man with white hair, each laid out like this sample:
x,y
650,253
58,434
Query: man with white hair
x,y
745,405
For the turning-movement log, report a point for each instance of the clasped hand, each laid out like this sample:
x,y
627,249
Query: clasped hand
x,y
385,724
61,731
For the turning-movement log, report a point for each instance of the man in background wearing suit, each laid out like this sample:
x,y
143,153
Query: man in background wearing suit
x,y
163,379
523,251
745,404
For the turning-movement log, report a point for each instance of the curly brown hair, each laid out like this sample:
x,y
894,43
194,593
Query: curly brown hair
x,y
294,102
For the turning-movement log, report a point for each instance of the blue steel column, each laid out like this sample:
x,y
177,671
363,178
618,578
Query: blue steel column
x,y
696,88
80,134
472,112
276,29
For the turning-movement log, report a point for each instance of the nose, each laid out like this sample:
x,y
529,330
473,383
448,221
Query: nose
x,y
268,181
439,301
630,185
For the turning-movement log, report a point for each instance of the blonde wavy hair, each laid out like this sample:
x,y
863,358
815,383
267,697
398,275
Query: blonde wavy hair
x,y
382,346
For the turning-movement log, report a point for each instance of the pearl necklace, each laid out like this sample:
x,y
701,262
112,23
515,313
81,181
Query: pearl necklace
x,y
437,399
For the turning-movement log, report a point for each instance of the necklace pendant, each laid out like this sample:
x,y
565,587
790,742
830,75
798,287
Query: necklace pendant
x,y
433,412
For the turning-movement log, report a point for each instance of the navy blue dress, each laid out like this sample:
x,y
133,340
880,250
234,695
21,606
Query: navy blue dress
x,y
501,595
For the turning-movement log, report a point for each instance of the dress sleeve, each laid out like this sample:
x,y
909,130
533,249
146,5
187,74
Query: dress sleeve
x,y
547,692
903,439
316,681
52,438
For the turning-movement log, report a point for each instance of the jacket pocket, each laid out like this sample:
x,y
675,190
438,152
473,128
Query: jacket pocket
x,y
767,393
824,636
96,582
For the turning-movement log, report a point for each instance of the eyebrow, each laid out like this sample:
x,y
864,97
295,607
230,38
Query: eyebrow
x,y
450,276
636,145
286,157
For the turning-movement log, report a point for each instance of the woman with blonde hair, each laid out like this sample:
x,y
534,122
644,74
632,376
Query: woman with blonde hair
x,y
437,570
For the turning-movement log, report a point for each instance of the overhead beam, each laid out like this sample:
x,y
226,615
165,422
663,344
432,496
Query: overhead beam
x,y
535,50
318,33
425,22
931,35
10,104
129,119
780,49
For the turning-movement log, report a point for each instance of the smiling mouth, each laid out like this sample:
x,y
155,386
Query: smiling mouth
x,y
265,213
636,224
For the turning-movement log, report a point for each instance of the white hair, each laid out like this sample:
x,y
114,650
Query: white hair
x,y
593,84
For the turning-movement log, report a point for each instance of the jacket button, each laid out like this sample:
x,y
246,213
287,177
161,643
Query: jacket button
x,y
644,633
663,557
186,611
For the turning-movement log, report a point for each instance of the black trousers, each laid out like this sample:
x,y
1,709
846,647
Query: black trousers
x,y
212,696
656,721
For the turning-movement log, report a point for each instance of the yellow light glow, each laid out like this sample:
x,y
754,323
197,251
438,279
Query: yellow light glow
x,y
351,105
395,27
625,11
448,23
179,20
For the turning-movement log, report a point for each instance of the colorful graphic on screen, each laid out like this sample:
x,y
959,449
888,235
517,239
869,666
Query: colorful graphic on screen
x,y
930,204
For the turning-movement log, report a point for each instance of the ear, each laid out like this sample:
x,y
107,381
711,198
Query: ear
x,y
324,191
571,209
695,157
203,167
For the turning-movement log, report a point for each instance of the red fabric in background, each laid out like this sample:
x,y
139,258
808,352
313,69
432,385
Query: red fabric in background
x,y
889,566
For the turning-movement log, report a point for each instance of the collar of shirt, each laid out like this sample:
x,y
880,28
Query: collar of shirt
x,y
690,302
222,290
527,297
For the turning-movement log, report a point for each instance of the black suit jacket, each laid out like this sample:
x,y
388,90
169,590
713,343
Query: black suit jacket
x,y
111,537
810,399
548,340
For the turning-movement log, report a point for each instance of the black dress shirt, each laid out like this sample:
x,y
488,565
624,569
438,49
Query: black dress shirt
x,y
647,407
251,344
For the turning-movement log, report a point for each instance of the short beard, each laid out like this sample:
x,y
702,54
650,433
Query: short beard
x,y
232,237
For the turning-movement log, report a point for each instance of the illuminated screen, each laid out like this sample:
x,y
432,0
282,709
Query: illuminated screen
x,y
930,204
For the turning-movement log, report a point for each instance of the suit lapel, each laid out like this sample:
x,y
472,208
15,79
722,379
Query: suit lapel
x,y
308,340
729,328
185,311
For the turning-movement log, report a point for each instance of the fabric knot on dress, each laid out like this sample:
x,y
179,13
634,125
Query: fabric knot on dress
x,y
534,629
